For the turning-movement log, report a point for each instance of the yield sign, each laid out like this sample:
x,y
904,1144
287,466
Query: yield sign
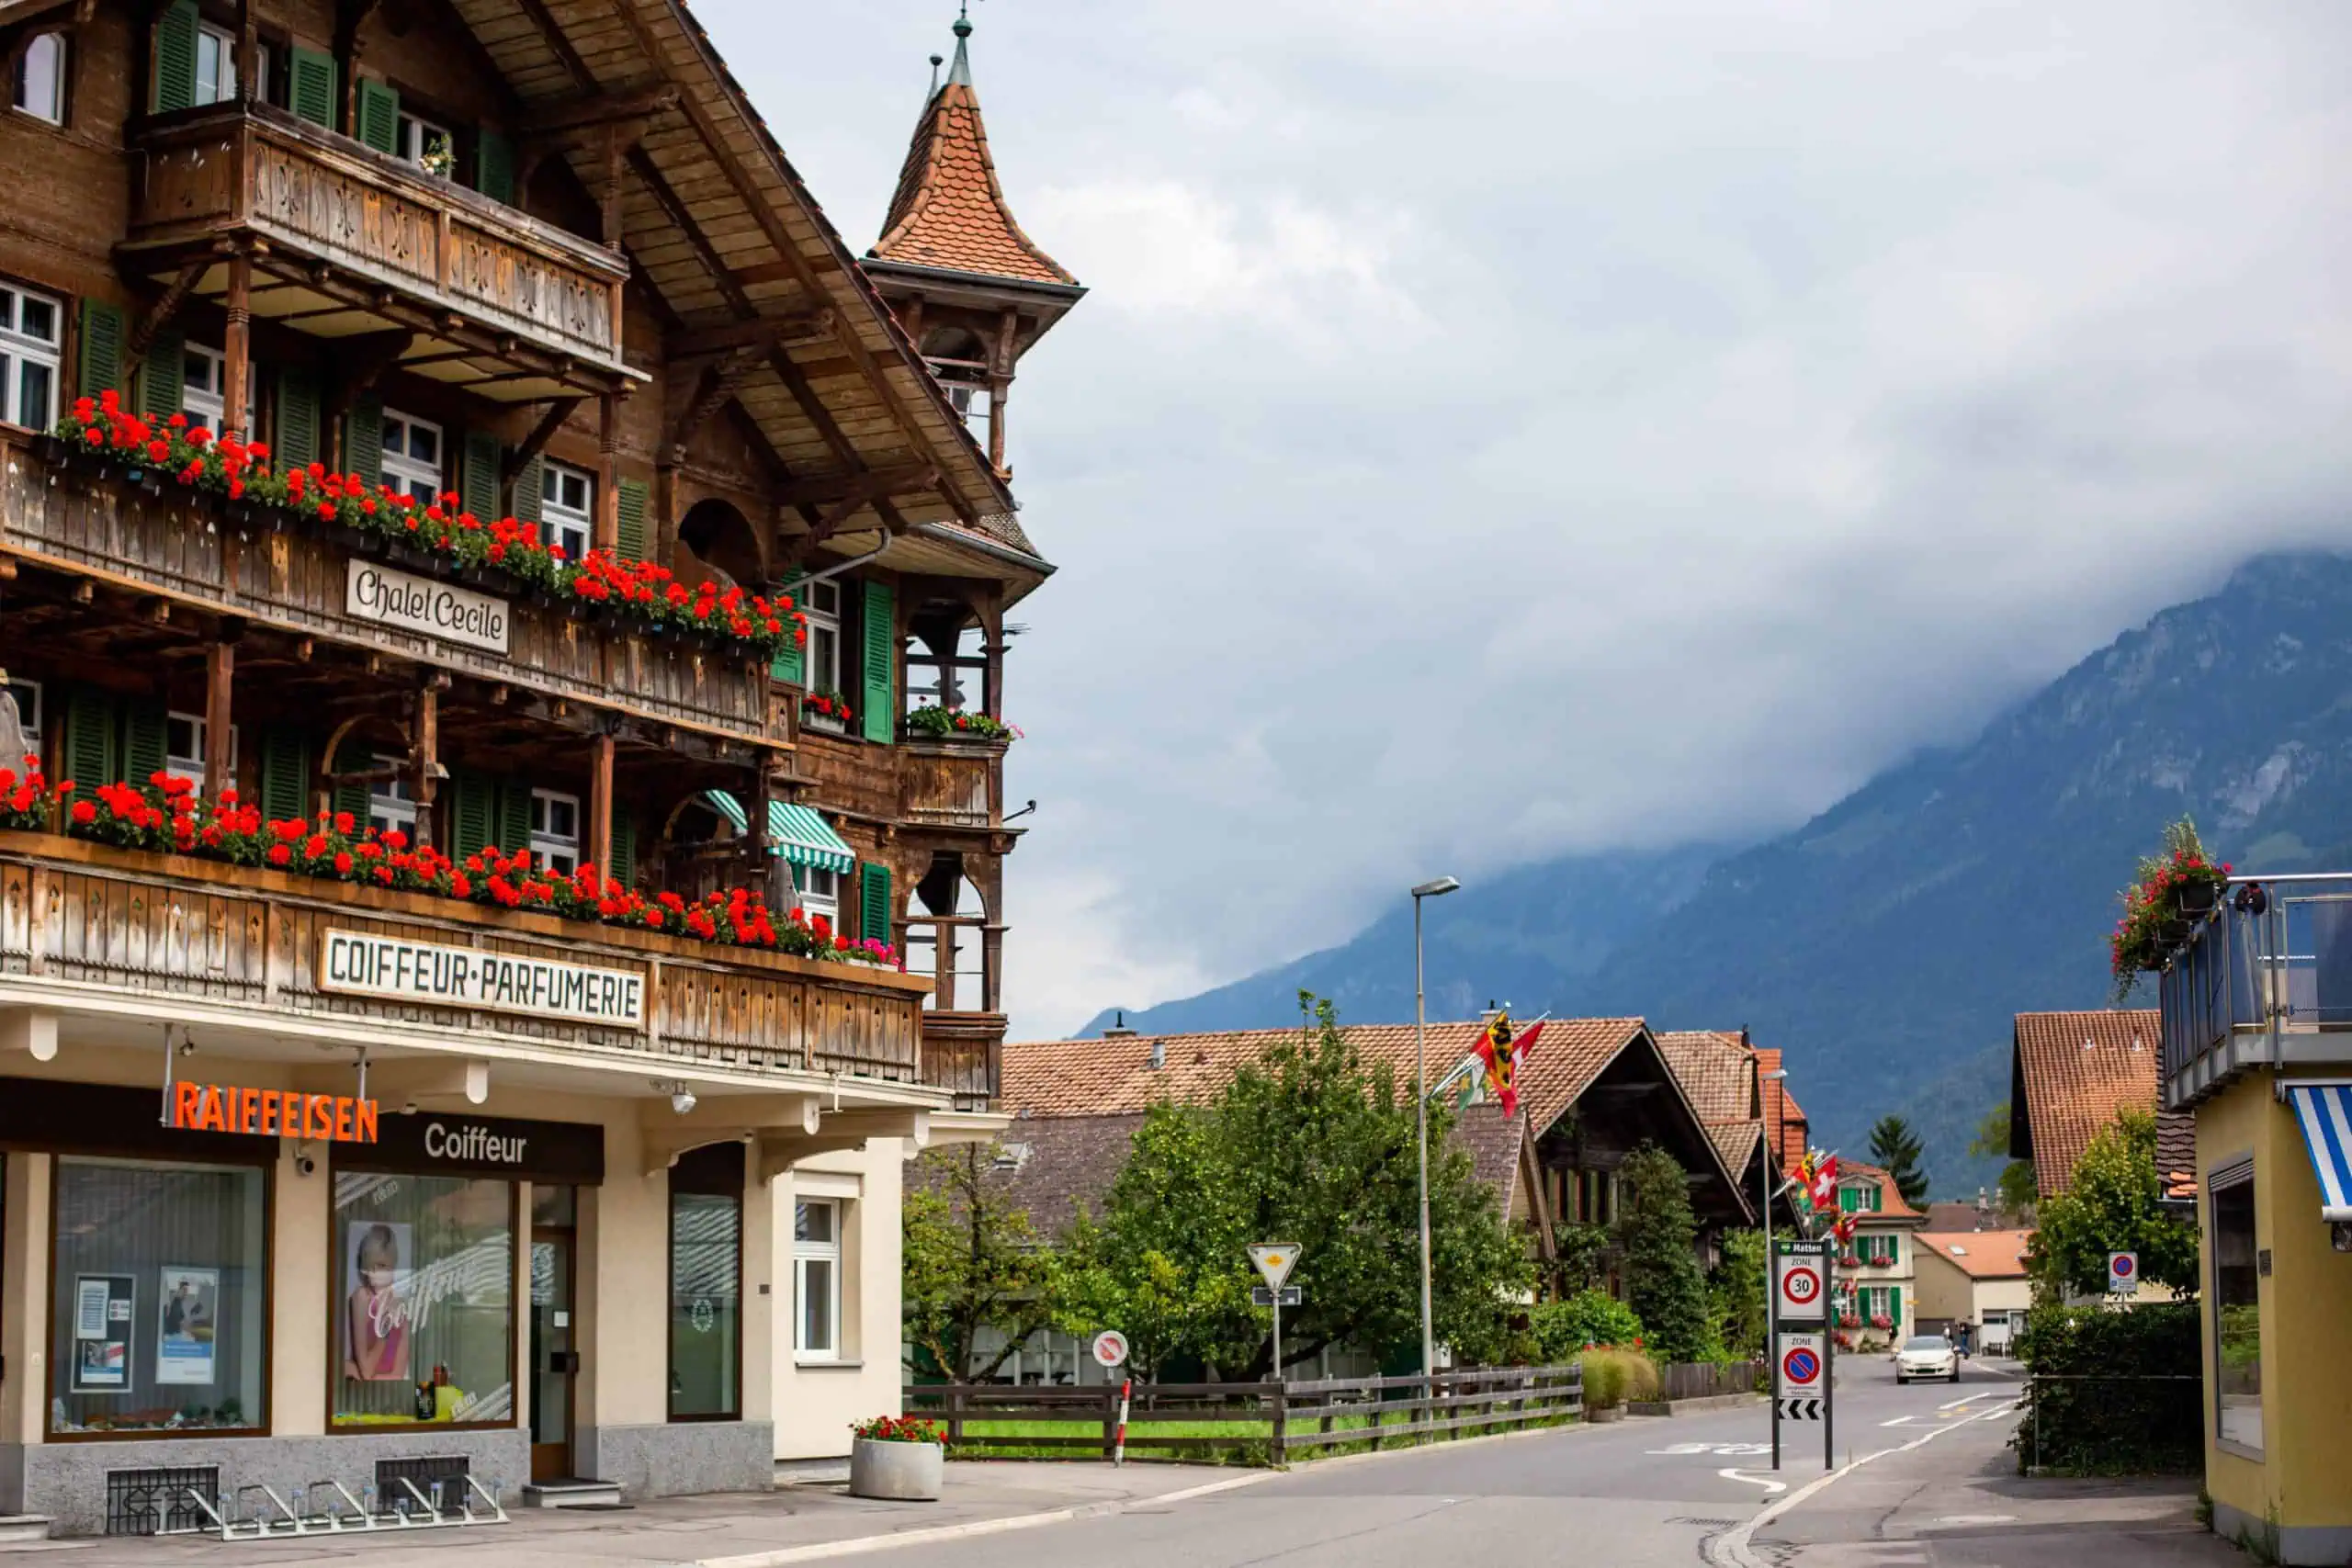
x,y
1274,1259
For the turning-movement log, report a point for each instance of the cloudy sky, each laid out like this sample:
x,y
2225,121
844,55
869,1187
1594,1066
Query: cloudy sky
x,y
1503,427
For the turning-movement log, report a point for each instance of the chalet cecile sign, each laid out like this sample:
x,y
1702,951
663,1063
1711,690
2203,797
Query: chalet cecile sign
x,y
466,977
420,605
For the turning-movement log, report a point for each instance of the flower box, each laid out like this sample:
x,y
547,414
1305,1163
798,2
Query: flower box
x,y
898,1472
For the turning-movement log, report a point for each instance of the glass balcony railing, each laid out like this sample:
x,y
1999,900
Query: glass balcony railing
x,y
2267,979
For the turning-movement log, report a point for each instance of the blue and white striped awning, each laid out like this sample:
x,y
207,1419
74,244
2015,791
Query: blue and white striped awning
x,y
2325,1112
803,836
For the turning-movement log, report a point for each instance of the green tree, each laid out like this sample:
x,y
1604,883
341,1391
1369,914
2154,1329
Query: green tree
x,y
2112,1204
2019,1189
1308,1145
971,1260
1736,1294
1896,1148
1663,1283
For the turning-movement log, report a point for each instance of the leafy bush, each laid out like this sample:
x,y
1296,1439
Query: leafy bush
x,y
1663,1283
2112,1393
1617,1377
1589,1317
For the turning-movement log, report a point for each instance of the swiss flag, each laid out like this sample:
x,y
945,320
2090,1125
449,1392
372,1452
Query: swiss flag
x,y
1825,1183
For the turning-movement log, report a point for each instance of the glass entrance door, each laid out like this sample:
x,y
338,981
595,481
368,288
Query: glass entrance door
x,y
555,1361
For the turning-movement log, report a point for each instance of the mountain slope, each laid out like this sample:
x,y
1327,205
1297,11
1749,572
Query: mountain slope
x,y
1885,943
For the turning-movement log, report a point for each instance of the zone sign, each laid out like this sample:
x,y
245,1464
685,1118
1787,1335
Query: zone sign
x,y
1801,1293
1800,1364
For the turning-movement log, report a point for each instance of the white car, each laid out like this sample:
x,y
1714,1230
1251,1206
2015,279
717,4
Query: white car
x,y
1926,1356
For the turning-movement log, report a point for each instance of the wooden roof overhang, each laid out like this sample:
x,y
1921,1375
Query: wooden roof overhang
x,y
400,269
766,306
1040,304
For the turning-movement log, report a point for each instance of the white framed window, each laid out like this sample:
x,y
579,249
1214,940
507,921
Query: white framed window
x,y
816,1279
567,507
41,79
821,602
28,695
555,830
204,389
215,65
184,747
390,802
974,405
411,460
29,328
423,143
820,892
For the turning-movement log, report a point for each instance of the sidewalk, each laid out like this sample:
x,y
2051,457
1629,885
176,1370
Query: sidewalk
x,y
1959,1503
736,1530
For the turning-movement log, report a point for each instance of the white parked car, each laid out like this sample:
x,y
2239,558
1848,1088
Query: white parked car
x,y
1926,1356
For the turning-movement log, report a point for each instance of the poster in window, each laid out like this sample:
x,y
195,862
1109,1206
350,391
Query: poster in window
x,y
103,1307
188,1329
378,1274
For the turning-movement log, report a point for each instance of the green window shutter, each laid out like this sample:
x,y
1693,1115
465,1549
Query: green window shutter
x,y
363,440
514,815
285,776
102,336
175,85
623,868
495,164
792,659
526,491
146,742
632,495
1894,1249
873,902
379,115
352,797
296,423
477,470
309,85
469,814
93,741
162,377
1894,1306
881,650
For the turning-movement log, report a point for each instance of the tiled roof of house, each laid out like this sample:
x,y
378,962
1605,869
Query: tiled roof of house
x,y
1782,1115
949,212
1980,1255
2177,1154
1718,1073
1891,1205
1967,1217
2077,1071
1099,1076
1493,1140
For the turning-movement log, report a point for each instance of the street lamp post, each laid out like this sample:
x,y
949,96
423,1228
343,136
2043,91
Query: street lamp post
x,y
1432,889
1771,1173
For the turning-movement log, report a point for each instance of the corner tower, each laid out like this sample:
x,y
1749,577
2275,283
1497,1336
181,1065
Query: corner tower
x,y
970,287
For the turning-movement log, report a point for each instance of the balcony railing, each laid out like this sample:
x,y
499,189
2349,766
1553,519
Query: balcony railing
x,y
234,170
953,783
2268,988
177,543
182,936
963,1052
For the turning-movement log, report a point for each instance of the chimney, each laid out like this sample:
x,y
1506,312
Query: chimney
x,y
1119,1030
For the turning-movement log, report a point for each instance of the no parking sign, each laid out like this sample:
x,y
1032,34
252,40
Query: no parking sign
x,y
1800,1364
2123,1273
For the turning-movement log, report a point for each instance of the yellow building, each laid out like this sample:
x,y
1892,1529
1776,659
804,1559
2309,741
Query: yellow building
x,y
2255,1045
1976,1278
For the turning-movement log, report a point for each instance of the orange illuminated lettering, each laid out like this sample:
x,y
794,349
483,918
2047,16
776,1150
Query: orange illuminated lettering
x,y
363,1126
215,1118
248,1109
342,1120
188,1104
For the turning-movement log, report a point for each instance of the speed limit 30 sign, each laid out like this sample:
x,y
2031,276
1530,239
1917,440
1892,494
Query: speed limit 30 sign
x,y
1801,1290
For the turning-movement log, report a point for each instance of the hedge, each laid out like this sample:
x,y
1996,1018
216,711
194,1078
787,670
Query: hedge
x,y
2112,1393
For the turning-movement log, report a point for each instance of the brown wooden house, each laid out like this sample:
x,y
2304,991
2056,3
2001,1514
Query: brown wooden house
x,y
540,261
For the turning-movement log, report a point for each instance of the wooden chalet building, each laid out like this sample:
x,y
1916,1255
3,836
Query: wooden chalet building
x,y
534,386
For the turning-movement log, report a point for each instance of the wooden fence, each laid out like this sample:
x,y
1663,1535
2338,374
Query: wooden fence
x,y
1260,1422
1702,1380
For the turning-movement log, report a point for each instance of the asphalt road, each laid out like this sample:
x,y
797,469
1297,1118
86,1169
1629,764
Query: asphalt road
x,y
1631,1495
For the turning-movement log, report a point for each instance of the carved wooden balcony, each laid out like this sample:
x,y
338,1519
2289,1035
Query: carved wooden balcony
x,y
953,783
349,242
963,1052
86,926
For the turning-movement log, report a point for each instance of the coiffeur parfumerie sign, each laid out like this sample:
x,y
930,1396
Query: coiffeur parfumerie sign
x,y
469,978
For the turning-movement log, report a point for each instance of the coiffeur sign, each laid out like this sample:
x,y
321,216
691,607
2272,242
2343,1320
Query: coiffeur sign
x,y
283,1113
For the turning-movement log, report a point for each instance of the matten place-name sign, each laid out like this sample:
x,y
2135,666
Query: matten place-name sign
x,y
468,977
410,604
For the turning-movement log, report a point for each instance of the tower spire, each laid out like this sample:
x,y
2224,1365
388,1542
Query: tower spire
x,y
962,70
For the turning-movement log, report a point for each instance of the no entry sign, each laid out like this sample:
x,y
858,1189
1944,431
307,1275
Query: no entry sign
x,y
1800,1364
1110,1348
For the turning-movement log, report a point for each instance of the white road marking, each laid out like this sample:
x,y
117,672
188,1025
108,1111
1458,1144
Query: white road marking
x,y
1978,1519
1899,1421
1953,1403
1769,1485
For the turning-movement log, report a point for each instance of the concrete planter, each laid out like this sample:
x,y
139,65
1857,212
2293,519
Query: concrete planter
x,y
901,1473
1601,1414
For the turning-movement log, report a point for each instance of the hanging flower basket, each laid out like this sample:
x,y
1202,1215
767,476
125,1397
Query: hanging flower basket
x,y
2173,891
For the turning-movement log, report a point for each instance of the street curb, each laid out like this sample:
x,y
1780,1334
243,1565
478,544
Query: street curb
x,y
1694,1406
858,1545
1315,1466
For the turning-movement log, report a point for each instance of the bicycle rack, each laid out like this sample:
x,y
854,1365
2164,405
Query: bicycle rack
x,y
259,1513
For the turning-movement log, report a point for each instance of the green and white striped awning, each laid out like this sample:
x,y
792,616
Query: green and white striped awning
x,y
804,836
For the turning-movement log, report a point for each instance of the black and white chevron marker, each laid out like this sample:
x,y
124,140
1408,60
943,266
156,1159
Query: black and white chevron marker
x,y
1801,1409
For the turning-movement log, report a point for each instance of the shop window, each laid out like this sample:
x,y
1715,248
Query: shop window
x,y
159,1306
29,325
555,830
2237,1315
40,78
706,1284
423,1287
816,1280
567,507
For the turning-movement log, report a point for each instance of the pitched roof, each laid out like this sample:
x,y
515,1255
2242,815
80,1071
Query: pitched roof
x,y
1718,1073
1102,1076
949,212
2076,1072
1493,1141
1783,1116
2177,1154
1965,1217
1891,1205
1980,1255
